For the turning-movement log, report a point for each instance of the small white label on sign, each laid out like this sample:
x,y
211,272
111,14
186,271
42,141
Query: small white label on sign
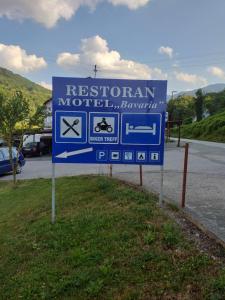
x,y
102,155
70,127
141,156
154,156
128,156
115,155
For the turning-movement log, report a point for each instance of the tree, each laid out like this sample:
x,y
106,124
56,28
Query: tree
x,y
15,118
199,102
181,108
215,102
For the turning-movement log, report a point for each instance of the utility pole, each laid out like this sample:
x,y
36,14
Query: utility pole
x,y
95,70
168,122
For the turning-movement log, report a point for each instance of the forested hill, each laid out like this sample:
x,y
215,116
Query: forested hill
x,y
35,93
203,116
184,107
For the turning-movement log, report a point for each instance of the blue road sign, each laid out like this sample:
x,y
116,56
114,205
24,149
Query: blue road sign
x,y
108,121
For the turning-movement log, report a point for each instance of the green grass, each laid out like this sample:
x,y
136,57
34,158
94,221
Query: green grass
x,y
209,129
110,241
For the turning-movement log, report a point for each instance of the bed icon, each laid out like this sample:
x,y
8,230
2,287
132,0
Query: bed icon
x,y
140,129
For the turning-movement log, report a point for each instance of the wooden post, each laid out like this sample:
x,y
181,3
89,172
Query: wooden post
x,y
185,175
110,170
141,178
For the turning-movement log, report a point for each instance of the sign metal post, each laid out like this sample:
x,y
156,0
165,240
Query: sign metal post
x,y
53,193
161,185
141,175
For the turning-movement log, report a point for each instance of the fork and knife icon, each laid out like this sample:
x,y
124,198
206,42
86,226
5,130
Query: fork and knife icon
x,y
70,126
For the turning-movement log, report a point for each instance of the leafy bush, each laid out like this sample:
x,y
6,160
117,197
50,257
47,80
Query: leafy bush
x,y
211,128
187,121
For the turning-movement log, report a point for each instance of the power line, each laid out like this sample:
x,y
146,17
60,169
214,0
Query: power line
x,y
205,56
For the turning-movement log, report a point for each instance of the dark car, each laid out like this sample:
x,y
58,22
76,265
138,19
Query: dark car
x,y
35,149
5,165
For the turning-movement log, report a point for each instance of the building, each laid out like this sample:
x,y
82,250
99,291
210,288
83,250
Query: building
x,y
44,135
48,119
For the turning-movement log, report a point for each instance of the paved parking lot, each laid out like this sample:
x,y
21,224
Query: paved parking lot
x,y
206,179
41,167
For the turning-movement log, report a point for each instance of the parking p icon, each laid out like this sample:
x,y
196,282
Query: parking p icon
x,y
101,155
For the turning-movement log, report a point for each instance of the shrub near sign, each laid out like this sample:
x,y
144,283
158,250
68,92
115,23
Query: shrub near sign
x,y
108,121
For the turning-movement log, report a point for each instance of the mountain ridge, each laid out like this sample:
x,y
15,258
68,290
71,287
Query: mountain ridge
x,y
34,92
211,88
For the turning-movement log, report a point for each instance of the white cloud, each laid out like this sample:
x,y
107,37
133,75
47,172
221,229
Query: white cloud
x,y
132,4
216,71
16,59
95,50
49,12
190,78
67,59
166,51
46,85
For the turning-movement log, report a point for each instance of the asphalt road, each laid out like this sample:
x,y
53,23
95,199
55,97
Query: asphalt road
x,y
205,198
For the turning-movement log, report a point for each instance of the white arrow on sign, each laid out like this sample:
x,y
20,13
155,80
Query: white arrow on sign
x,y
72,153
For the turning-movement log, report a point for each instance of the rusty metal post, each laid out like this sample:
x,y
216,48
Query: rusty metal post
x,y
110,170
185,175
141,178
178,141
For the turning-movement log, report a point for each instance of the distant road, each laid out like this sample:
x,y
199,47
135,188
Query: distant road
x,y
211,144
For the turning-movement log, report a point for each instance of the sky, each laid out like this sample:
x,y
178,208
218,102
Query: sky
x,y
178,40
